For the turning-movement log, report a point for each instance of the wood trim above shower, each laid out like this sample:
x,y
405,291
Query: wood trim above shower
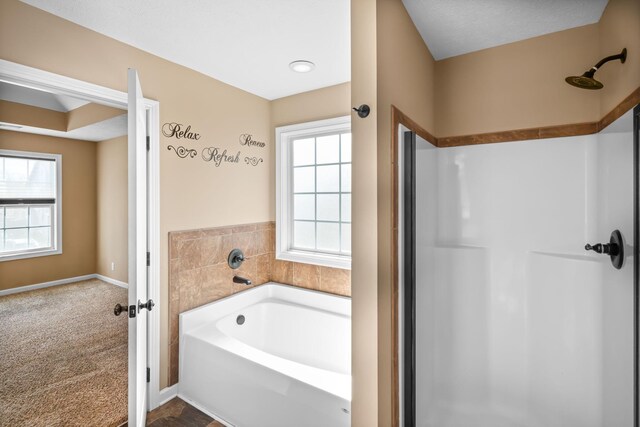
x,y
398,117
571,129
519,135
627,104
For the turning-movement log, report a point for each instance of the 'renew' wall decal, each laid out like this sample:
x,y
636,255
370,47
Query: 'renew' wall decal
x,y
246,139
183,152
253,161
213,154
178,131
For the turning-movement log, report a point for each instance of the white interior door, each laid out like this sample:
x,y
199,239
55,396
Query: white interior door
x,y
137,253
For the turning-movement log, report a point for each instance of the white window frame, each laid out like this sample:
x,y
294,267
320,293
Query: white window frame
x,y
55,222
284,192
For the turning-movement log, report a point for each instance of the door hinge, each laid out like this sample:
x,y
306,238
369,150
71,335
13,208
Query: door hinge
x,y
148,143
148,375
148,259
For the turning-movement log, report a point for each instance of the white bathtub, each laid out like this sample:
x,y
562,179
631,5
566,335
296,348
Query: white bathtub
x,y
288,365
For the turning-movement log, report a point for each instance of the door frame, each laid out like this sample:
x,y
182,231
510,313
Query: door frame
x,y
35,78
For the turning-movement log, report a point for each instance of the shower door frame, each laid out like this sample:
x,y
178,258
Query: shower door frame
x,y
636,266
397,381
405,407
409,277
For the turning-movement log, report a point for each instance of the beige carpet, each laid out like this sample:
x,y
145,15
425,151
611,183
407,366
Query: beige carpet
x,y
63,357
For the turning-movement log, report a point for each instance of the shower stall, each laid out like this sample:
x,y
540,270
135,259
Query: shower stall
x,y
511,315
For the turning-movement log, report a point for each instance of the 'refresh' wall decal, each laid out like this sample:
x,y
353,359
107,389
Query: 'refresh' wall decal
x,y
214,155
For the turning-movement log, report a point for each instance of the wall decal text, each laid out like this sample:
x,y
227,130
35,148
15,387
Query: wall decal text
x,y
176,130
183,152
247,139
213,154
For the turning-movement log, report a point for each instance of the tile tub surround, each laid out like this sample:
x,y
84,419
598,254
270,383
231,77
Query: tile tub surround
x,y
199,274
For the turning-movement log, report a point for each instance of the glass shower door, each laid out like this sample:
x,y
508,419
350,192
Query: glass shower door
x,y
508,319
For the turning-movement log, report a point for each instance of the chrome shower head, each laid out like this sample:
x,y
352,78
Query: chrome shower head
x,y
587,81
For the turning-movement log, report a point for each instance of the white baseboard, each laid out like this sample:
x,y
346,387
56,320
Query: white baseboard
x,y
112,281
46,284
28,288
166,394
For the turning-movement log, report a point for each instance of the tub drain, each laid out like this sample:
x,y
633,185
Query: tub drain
x,y
240,319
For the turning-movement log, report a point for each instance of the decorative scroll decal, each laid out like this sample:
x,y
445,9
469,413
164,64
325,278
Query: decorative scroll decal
x,y
183,152
253,161
213,154
247,139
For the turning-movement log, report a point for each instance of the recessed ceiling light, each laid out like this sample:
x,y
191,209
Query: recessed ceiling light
x,y
302,66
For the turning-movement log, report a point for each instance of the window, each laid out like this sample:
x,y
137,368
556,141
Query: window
x,y
30,204
313,192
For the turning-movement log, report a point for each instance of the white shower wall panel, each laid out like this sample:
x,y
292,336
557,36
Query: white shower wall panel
x,y
615,206
564,337
516,324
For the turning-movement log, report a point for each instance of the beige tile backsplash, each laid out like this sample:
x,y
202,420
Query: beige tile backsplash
x,y
199,274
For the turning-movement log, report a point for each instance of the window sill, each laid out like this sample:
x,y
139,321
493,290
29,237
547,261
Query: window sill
x,y
324,260
33,254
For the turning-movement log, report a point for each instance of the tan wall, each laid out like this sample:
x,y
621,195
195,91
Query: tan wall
x,y
325,103
89,114
619,27
521,85
195,194
112,219
406,71
27,115
364,270
78,212
518,85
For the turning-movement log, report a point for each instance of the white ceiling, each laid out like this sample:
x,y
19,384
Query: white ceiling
x,y
455,27
248,43
37,98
